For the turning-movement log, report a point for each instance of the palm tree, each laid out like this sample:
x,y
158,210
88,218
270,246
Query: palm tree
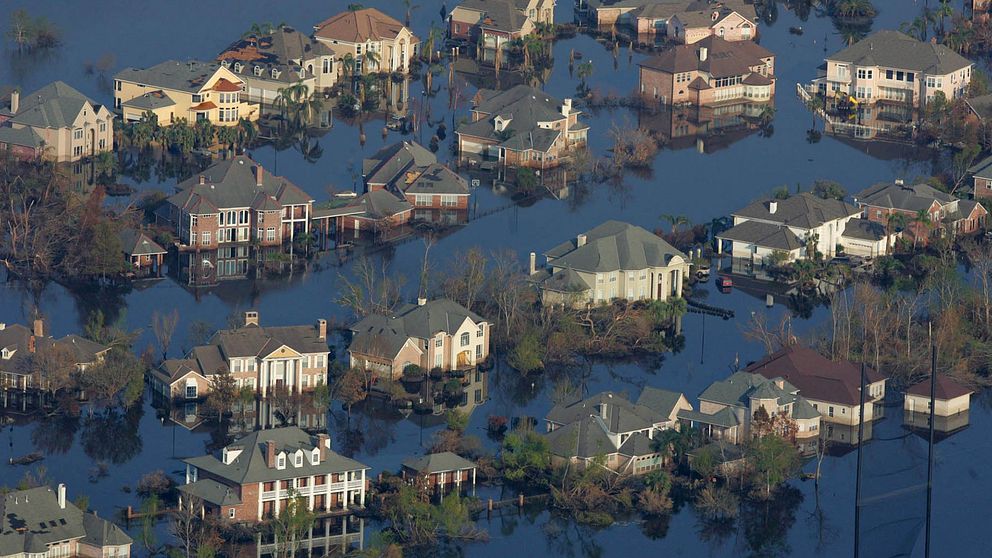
x,y
372,59
916,29
944,11
348,63
923,221
815,104
676,221
894,223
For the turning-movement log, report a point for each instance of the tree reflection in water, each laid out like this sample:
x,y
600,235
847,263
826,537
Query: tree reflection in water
x,y
112,435
54,434
766,523
566,537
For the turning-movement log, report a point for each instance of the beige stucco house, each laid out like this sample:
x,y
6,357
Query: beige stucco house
x,y
57,123
191,90
894,67
361,32
950,397
615,260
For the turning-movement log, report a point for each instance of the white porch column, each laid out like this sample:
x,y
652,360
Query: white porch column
x,y
361,495
261,487
310,485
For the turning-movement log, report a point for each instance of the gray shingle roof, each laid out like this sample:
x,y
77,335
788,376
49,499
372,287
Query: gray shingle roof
x,y
251,467
802,211
391,162
983,168
897,196
565,281
583,438
615,246
618,413
661,401
232,184
55,105
380,204
283,50
189,76
438,179
892,49
83,350
213,492
150,101
261,341
525,107
503,15
724,417
25,137
377,334
864,229
637,445
777,237
738,388
438,463
137,243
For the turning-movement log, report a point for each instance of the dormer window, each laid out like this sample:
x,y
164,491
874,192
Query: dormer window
x,y
315,456
257,70
239,67
281,461
299,459
225,63
5,354
275,73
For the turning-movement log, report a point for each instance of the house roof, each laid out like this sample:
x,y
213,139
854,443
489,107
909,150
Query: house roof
x,y
359,26
32,519
724,418
438,179
152,100
661,401
523,108
816,376
981,106
500,15
378,334
82,350
738,389
213,492
285,50
17,339
438,463
189,76
636,445
898,196
260,341
137,243
723,58
983,168
250,466
380,204
614,246
56,105
802,211
25,137
964,210
618,413
584,438
864,229
777,237
232,184
391,162
893,49
946,389
565,281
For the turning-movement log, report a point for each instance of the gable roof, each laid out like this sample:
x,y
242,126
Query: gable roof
x,y
614,246
438,463
802,211
25,137
500,15
893,49
380,204
390,162
283,49
189,76
816,376
55,105
150,101
18,338
358,26
661,401
899,196
723,58
583,438
260,341
768,235
137,243
438,179
232,184
946,389
618,413
983,168
523,108
376,333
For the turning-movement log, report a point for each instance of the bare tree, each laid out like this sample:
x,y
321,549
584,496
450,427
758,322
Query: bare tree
x,y
373,291
164,326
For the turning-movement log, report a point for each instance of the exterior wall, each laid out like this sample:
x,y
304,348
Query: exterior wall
x,y
942,407
126,90
359,223
645,284
758,254
854,80
391,52
91,133
667,88
842,414
709,407
461,202
20,151
983,188
807,428
864,248
177,389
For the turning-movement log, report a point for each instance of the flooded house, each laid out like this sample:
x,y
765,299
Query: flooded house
x,y
615,260
981,177
44,522
439,470
431,334
20,345
144,256
253,477
684,21
946,214
264,359
280,59
521,127
832,387
56,123
609,426
707,129
492,24
372,40
951,403
710,71
193,90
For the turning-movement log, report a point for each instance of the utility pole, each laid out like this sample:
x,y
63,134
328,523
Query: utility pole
x,y
857,486
933,389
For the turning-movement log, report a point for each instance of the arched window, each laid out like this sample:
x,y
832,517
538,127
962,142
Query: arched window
x,y
465,339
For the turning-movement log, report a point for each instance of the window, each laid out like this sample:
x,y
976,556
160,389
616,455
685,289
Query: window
x,y
478,351
192,239
449,200
236,365
842,70
77,151
934,82
206,237
77,134
888,74
191,391
423,199
281,462
197,98
465,339
318,361
230,513
864,73
480,332
326,66
261,233
438,342
299,460
270,233
830,411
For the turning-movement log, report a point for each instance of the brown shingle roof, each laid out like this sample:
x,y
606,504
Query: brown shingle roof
x,y
816,376
359,26
946,388
723,58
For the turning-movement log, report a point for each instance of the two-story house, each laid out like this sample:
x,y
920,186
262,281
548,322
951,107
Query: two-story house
x,y
374,41
492,24
294,358
832,387
255,476
889,66
796,226
280,59
727,407
615,260
431,334
236,201
710,71
56,123
20,346
944,212
608,426
981,177
522,126
191,90
731,20
41,522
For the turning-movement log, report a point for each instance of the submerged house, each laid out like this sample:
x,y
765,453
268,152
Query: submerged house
x,y
492,24
951,405
612,261
375,41
439,470
19,345
143,255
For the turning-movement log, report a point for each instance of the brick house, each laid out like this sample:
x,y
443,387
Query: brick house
x,y
364,31
57,123
262,358
521,127
439,470
945,212
143,255
43,522
255,476
709,71
731,20
20,344
981,176
431,334
492,24
236,201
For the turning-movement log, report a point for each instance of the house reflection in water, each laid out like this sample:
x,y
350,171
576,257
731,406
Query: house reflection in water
x,y
204,268
265,413
951,405
708,128
329,536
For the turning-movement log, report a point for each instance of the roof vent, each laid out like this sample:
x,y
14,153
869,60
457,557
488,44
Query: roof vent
x,y
899,182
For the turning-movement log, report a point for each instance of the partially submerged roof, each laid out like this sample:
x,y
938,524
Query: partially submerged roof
x,y
893,49
380,204
438,463
391,162
614,246
137,243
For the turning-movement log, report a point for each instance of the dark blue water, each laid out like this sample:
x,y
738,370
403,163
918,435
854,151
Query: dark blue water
x,y
698,185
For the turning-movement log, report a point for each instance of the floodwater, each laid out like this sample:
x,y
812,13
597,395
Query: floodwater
x,y
726,173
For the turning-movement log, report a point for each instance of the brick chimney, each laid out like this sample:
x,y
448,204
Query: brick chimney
x,y
259,175
322,329
270,454
251,318
323,444
32,344
15,101
39,328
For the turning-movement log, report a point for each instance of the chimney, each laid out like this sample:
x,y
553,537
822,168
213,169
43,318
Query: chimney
x,y
259,175
580,241
899,182
15,101
533,263
251,318
322,329
323,444
32,344
39,328
421,301
703,53
203,179
772,207
3,326
566,107
61,489
270,454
